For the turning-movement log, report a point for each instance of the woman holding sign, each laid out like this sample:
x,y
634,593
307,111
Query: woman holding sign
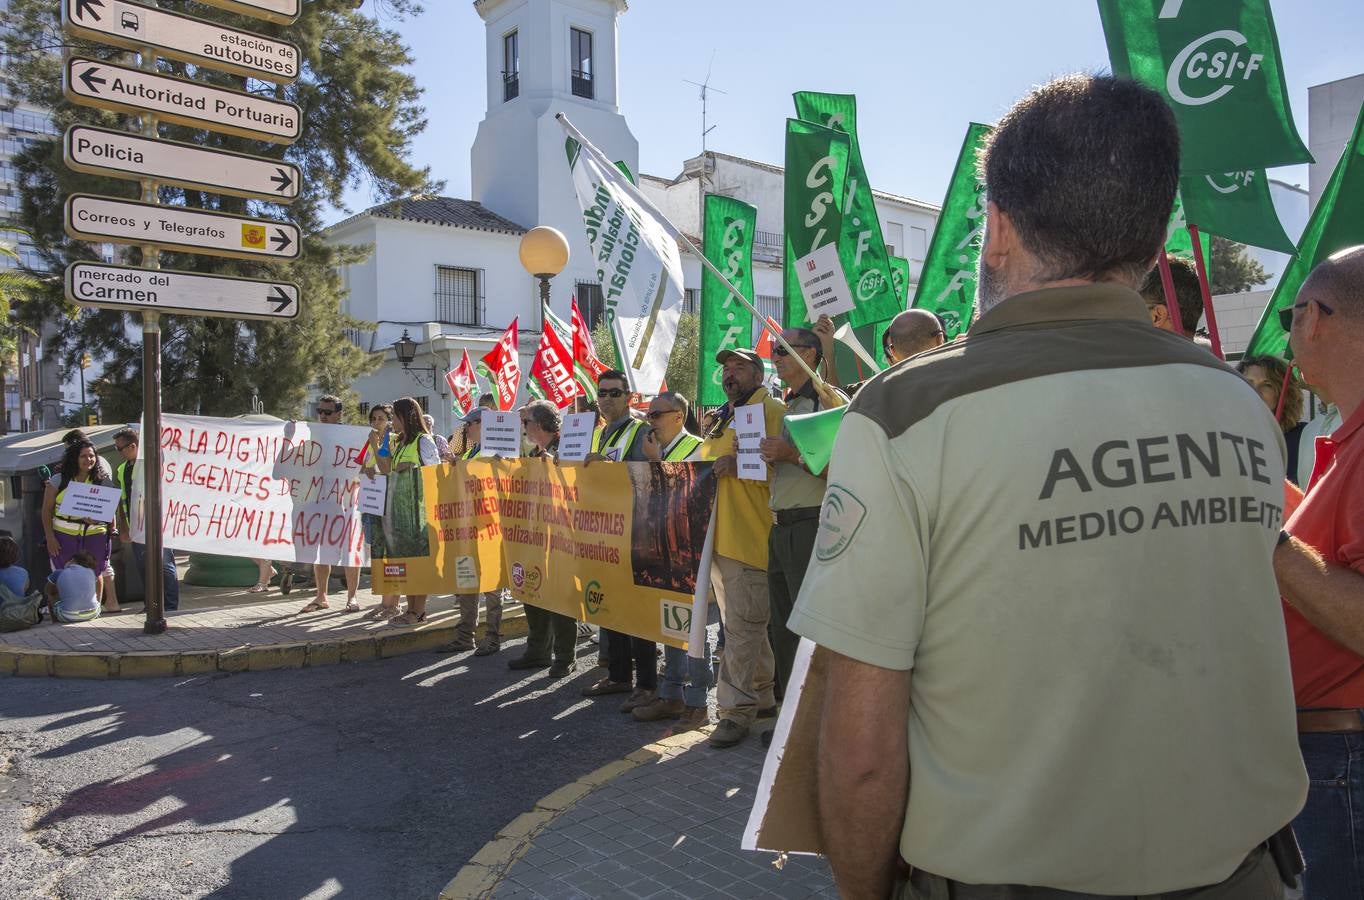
x,y
67,533
404,530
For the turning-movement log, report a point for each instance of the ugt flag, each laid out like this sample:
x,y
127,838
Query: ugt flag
x,y
639,264
1217,63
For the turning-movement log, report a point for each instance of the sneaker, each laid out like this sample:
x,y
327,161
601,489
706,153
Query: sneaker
x,y
525,662
693,718
487,650
286,583
727,734
639,697
562,669
584,630
659,709
606,686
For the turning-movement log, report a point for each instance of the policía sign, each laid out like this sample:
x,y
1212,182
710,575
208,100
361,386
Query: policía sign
x,y
103,85
91,218
101,151
181,37
281,11
164,291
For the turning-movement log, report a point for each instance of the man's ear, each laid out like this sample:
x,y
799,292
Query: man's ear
x,y
1160,316
1001,238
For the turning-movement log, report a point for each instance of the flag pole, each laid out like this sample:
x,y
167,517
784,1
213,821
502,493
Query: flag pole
x,y
1206,292
1283,394
639,197
1168,283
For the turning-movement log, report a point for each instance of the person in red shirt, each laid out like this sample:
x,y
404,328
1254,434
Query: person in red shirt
x,y
1320,568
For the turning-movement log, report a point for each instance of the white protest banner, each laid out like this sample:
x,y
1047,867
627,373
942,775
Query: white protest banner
x,y
285,491
750,428
373,493
501,434
823,283
89,501
575,436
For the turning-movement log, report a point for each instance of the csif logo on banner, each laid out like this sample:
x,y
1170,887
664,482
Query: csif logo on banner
x,y
1230,182
1209,66
819,203
675,619
593,597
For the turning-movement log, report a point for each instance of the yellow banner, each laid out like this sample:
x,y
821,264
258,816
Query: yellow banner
x,y
614,544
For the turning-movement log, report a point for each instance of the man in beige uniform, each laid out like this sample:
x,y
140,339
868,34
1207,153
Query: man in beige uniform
x,y
1042,579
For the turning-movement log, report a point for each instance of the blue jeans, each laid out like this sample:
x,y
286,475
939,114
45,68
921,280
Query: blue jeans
x,y
686,678
170,579
1330,827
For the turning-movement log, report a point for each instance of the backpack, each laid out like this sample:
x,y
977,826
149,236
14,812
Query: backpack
x,y
18,613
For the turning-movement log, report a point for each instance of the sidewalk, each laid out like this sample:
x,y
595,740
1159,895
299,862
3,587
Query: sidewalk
x,y
230,630
669,826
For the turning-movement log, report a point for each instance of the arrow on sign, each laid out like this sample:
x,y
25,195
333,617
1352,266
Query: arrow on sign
x,y
91,78
283,180
277,295
88,6
280,240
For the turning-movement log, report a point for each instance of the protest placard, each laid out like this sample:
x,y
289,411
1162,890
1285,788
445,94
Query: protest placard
x,y
750,428
501,434
89,501
373,491
575,437
823,284
265,490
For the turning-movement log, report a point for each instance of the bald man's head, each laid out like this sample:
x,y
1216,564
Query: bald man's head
x,y
912,331
1326,323
1338,282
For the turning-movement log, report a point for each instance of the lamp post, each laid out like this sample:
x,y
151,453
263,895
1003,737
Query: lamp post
x,y
544,254
406,350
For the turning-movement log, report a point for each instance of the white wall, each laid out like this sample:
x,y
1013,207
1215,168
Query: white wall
x,y
1332,110
1291,204
1237,316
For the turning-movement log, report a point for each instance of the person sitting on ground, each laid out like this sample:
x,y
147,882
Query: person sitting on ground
x,y
13,576
71,590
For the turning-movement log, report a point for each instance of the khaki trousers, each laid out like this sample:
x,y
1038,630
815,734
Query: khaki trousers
x,y
746,666
468,616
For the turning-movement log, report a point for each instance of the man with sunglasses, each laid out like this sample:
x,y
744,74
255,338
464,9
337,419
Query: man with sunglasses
x,y
125,442
329,413
1319,570
911,333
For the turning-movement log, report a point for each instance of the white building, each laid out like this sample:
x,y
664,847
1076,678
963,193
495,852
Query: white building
x,y
1332,111
446,270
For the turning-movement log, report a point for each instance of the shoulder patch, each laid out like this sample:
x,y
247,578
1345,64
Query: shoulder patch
x,y
839,520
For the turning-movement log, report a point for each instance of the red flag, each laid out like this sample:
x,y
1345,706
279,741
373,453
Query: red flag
x,y
764,348
553,368
504,368
584,354
463,388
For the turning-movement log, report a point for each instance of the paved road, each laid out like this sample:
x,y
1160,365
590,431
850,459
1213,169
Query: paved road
x,y
365,780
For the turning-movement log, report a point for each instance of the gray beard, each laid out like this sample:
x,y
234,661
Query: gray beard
x,y
990,288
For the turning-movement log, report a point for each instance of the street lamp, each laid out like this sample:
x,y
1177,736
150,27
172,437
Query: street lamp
x,y
544,254
406,349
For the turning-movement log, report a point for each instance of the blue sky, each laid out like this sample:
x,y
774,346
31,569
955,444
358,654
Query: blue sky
x,y
921,69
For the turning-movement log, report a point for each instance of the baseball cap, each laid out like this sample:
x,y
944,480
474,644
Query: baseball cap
x,y
749,356
473,415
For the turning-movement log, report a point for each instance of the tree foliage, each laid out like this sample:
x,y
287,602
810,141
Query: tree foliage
x,y
681,372
1231,271
360,112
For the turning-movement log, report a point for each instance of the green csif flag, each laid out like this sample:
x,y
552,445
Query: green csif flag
x,y
1336,223
899,279
861,246
947,284
1236,206
1217,63
1178,241
725,322
814,434
816,172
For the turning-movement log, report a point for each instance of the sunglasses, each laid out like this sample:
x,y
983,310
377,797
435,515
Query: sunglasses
x,y
1286,314
123,447
613,393
779,350
660,413
327,412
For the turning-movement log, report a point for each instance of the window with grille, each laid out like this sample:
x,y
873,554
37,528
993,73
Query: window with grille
x,y
581,50
511,66
771,307
691,300
590,302
456,295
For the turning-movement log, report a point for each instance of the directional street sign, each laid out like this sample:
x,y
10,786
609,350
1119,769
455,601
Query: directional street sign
x,y
91,218
164,291
282,11
181,37
104,85
100,151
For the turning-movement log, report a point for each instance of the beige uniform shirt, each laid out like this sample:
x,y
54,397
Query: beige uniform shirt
x,y
792,486
1063,525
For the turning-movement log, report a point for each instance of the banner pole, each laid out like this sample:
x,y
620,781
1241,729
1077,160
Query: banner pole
x,y
1167,281
1206,291
700,604
1283,393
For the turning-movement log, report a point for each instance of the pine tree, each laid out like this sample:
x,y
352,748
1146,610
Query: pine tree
x,y
1231,271
360,112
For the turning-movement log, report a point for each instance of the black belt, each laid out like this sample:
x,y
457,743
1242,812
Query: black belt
x,y
796,514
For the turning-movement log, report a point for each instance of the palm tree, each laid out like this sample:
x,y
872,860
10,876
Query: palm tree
x,y
14,285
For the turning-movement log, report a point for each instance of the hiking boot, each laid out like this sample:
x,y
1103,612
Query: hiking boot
x,y
487,650
727,734
525,662
693,718
562,669
286,583
606,686
640,697
458,645
659,709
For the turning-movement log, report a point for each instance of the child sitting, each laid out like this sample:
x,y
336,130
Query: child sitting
x,y
12,575
71,590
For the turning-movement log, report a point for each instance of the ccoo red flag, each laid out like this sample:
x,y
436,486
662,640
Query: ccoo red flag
x,y
504,368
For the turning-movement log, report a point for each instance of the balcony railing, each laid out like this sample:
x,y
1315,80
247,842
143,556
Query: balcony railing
x,y
511,85
768,246
582,85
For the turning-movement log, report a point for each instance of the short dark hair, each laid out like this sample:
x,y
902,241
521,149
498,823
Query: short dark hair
x,y
9,552
614,375
126,435
1086,167
83,558
1188,292
74,435
385,408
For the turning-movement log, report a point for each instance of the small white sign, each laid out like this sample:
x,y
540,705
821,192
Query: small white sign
x,y
501,434
123,287
92,218
373,495
575,437
466,573
89,501
823,283
750,428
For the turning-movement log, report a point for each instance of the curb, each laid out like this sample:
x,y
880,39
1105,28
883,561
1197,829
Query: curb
x,y
486,868
29,662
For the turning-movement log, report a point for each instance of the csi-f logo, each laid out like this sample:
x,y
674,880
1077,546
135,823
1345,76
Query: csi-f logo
x,y
675,619
818,177
869,285
1209,67
518,575
1229,182
733,242
593,597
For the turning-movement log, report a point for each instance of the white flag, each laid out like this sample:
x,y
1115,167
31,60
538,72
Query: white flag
x,y
639,264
